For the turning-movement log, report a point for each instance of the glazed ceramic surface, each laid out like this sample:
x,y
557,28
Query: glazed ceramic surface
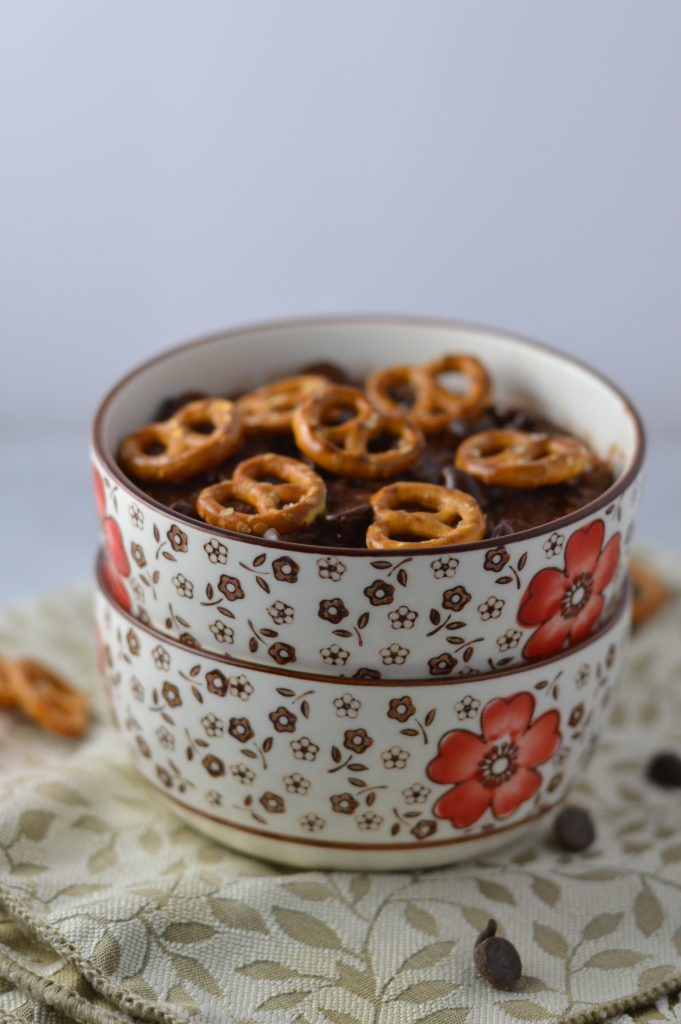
x,y
355,773
437,612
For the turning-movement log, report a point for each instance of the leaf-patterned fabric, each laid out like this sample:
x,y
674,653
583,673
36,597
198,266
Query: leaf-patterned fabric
x,y
113,910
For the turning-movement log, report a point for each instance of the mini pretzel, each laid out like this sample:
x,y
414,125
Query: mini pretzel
x,y
343,446
650,593
515,458
7,700
48,699
271,407
295,501
411,515
187,451
432,406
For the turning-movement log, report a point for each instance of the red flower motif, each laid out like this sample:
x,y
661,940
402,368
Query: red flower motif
x,y
566,604
498,767
102,662
115,586
115,547
100,497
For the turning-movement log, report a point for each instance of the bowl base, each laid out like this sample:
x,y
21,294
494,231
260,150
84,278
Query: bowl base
x,y
312,857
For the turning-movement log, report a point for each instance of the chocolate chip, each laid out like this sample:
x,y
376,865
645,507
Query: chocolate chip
x,y
331,371
573,829
502,529
521,421
184,507
512,419
487,421
497,960
456,430
172,405
448,477
665,770
271,534
488,932
456,480
348,511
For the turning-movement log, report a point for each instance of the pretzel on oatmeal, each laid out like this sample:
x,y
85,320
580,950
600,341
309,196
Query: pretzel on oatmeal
x,y
409,514
7,700
424,400
650,593
343,432
277,492
271,407
198,436
515,458
47,698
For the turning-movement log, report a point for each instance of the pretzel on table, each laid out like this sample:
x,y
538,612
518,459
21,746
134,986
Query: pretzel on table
x,y
44,696
650,593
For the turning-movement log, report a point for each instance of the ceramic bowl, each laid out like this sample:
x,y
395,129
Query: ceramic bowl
x,y
437,612
325,772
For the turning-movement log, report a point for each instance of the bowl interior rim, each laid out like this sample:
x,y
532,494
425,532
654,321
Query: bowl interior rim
x,y
612,620
130,487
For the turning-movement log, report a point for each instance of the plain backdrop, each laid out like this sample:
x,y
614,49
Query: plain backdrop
x,y
168,168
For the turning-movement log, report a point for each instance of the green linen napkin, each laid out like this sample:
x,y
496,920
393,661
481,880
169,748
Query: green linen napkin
x,y
113,910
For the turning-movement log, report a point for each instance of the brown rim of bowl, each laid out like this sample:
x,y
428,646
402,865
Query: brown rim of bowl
x,y
617,488
469,680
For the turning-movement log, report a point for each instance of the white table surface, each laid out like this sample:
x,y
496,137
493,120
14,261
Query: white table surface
x,y
48,528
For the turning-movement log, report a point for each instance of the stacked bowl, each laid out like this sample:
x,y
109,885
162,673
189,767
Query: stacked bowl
x,y
345,707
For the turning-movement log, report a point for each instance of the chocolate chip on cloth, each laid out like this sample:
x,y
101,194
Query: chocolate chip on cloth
x,y
496,959
573,829
664,769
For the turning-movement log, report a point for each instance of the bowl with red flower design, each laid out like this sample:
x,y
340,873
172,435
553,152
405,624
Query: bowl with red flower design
x,y
354,772
522,593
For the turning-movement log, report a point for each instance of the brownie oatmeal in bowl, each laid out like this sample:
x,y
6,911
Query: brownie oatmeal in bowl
x,y
329,471
434,499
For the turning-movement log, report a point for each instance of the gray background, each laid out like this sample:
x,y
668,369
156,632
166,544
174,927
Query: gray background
x,y
170,168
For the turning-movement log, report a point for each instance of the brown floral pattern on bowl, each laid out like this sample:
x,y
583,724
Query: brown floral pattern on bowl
x,y
349,763
402,616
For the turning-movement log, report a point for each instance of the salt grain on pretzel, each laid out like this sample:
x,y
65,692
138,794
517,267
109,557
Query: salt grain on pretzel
x,y
47,698
269,409
275,492
200,435
344,433
409,514
515,458
416,392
